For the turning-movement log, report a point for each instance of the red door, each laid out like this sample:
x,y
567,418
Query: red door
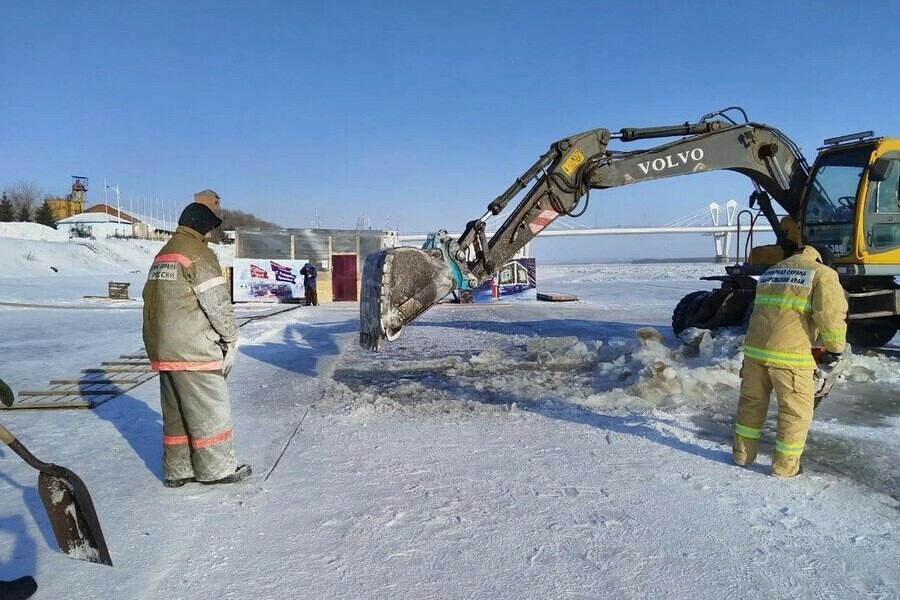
x,y
343,277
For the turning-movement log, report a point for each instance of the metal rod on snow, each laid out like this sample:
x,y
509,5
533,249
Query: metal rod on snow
x,y
283,450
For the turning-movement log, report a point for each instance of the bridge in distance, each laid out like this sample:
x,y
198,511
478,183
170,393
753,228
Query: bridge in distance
x,y
718,221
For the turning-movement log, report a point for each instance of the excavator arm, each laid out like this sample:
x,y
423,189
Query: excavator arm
x,y
399,284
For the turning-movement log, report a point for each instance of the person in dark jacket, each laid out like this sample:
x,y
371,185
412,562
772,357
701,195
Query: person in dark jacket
x,y
309,284
190,334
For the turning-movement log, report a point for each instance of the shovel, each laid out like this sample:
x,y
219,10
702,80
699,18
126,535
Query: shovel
x,y
66,499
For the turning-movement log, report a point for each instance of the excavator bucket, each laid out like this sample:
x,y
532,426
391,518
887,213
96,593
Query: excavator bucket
x,y
399,284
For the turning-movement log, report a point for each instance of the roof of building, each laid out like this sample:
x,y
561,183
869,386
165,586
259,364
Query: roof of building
x,y
101,213
94,217
109,210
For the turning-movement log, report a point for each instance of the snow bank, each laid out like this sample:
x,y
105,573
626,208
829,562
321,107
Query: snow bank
x,y
33,252
32,231
23,258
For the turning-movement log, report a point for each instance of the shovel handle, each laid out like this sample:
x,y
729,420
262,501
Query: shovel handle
x,y
6,436
16,446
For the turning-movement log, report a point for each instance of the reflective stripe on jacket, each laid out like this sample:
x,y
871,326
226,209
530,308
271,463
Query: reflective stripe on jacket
x,y
797,301
187,307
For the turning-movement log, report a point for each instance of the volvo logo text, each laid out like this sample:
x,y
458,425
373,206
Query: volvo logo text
x,y
671,161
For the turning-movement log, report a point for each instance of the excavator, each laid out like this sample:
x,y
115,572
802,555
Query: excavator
x,y
848,202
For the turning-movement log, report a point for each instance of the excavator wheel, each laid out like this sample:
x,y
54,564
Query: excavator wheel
x,y
685,310
866,335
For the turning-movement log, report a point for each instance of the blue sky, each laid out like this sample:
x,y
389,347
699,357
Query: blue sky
x,y
419,113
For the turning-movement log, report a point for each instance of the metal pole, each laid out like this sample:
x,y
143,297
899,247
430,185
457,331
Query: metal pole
x,y
118,211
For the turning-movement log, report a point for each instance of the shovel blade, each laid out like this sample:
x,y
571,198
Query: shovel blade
x,y
398,285
72,515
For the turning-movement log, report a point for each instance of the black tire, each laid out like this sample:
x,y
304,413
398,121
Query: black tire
x,y
870,336
685,309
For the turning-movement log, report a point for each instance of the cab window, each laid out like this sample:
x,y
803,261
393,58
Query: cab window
x,y
830,205
882,216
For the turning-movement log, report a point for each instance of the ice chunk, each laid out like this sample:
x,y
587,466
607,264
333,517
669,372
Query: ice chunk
x,y
549,344
648,334
698,342
489,357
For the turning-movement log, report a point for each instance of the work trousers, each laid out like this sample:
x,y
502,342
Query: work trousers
x,y
794,391
312,297
196,425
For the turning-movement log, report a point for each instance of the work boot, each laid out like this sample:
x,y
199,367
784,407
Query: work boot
x,y
241,473
177,483
18,589
799,472
740,459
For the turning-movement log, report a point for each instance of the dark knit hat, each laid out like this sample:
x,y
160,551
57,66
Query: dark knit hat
x,y
199,217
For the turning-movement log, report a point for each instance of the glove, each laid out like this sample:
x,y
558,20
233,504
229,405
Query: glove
x,y
229,350
6,394
830,358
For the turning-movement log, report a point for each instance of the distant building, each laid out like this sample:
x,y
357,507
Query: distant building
x,y
96,225
210,199
73,203
267,262
103,221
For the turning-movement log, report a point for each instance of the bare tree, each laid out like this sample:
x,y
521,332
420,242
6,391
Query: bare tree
x,y
237,218
24,195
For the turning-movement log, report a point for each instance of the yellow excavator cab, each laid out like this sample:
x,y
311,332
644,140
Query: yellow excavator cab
x,y
878,215
852,203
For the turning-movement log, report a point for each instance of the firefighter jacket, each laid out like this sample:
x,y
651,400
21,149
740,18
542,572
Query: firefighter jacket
x,y
797,300
187,307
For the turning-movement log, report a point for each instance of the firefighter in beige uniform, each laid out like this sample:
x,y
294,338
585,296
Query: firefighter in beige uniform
x,y
797,300
190,335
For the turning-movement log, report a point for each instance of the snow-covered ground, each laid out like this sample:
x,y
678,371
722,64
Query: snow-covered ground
x,y
39,265
514,450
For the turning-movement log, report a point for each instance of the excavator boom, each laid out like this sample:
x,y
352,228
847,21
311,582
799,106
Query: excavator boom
x,y
399,284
